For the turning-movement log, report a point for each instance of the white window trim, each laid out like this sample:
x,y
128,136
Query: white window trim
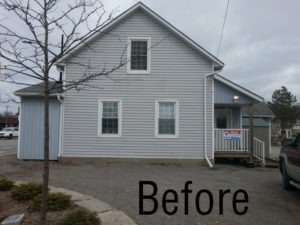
x,y
100,113
176,135
129,70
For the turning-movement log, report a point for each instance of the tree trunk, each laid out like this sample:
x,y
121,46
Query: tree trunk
x,y
44,208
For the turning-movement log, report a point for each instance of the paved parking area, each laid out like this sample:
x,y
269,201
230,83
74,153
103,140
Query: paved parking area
x,y
118,185
8,146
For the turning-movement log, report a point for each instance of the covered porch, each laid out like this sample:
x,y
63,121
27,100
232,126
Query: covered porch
x,y
230,139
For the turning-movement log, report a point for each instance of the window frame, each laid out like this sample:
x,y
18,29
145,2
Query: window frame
x,y
100,115
176,135
129,70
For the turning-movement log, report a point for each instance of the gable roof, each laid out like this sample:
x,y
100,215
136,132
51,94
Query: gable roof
x,y
239,88
259,110
218,63
38,89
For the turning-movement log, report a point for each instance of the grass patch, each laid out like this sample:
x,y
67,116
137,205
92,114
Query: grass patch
x,y
80,217
26,191
56,201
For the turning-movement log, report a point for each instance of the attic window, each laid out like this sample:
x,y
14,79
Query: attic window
x,y
139,55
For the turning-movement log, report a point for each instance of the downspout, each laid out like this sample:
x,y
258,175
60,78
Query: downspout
x,y
59,99
205,125
60,124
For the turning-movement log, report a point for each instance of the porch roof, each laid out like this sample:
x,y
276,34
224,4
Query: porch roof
x,y
225,89
38,89
259,110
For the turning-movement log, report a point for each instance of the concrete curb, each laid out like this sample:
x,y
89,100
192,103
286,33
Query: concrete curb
x,y
107,214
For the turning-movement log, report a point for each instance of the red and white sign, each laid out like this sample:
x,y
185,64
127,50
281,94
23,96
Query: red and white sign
x,y
232,135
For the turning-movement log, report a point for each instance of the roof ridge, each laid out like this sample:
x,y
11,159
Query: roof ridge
x,y
149,11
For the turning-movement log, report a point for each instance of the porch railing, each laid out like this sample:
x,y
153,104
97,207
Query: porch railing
x,y
259,150
238,143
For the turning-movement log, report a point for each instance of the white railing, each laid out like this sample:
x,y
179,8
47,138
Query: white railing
x,y
240,143
259,150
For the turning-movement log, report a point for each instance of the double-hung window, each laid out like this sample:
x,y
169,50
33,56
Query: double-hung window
x,y
166,119
110,118
139,53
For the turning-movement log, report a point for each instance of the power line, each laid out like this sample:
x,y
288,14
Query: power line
x,y
224,21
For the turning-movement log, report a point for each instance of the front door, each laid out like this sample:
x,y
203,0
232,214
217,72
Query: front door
x,y
223,118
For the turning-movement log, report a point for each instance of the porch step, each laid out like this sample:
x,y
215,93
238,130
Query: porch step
x,y
297,185
271,163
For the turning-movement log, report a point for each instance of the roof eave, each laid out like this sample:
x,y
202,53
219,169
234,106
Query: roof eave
x,y
32,94
239,88
257,115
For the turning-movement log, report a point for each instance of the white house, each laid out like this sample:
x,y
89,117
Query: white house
x,y
167,102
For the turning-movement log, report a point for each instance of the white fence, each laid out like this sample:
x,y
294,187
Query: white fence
x,y
237,144
259,150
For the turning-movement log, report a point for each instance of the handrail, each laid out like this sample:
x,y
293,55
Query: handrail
x,y
259,150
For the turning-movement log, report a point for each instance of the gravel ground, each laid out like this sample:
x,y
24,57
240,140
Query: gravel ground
x,y
117,184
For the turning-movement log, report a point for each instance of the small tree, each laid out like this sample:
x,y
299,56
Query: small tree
x,y
33,51
283,107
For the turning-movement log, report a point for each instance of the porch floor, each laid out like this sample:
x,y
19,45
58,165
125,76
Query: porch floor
x,y
231,154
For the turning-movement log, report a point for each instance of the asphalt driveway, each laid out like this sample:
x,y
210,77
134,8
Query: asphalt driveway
x,y
118,184
8,146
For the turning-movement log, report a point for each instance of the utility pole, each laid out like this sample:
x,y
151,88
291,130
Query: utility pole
x,y
61,52
6,116
1,67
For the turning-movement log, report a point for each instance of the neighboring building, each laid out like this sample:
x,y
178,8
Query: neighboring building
x,y
9,121
292,130
262,124
296,126
167,102
31,136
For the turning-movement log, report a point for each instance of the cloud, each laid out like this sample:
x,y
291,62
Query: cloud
x,y
260,45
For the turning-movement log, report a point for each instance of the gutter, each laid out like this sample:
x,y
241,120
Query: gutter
x,y
32,94
205,126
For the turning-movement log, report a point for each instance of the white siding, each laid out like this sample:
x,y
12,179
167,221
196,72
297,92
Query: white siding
x,y
177,72
223,95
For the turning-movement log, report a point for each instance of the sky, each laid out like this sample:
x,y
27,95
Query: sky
x,y
260,45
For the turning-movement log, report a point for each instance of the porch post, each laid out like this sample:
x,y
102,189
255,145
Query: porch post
x,y
251,133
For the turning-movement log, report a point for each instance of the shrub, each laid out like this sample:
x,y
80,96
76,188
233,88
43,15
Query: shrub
x,y
80,217
56,201
6,185
26,191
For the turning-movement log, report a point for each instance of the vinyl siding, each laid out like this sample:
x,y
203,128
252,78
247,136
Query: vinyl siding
x,y
32,128
224,94
260,131
177,73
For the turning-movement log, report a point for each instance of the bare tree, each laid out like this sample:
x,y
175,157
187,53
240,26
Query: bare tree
x,y
31,52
